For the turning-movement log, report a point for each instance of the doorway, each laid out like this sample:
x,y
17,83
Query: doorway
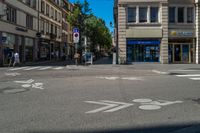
x,y
180,53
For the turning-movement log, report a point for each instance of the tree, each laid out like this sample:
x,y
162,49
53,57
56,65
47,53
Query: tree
x,y
91,26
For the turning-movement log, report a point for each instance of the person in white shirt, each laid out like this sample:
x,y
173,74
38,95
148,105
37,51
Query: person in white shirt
x,y
16,59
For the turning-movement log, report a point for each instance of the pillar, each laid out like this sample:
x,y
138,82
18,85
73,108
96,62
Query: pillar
x,y
164,41
121,34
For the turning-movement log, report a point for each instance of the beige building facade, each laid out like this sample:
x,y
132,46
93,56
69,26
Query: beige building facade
x,y
18,27
165,31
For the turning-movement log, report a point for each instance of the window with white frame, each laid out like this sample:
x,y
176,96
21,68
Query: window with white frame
x,y
131,14
190,15
181,15
172,14
154,11
143,14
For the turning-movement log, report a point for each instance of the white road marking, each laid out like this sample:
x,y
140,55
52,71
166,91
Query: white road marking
x,y
189,75
31,68
45,68
142,100
131,78
183,70
26,85
25,82
14,69
12,74
108,106
58,68
149,107
124,105
108,78
195,78
38,86
159,72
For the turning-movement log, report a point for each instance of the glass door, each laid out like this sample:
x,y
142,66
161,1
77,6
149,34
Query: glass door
x,y
185,53
177,52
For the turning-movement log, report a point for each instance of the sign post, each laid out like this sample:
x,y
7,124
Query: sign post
x,y
76,41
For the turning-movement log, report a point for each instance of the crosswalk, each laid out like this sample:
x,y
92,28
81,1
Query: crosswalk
x,y
187,74
37,68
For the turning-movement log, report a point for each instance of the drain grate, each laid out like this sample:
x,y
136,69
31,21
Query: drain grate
x,y
10,90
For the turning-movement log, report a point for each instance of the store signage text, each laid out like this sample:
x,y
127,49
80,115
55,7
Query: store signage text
x,y
143,42
181,33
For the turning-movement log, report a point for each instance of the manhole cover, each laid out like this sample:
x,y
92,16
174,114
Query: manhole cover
x,y
10,90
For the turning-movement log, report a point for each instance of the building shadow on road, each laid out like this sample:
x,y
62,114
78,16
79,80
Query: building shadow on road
x,y
179,128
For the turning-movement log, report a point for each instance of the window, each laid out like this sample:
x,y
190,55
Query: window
x,y
180,14
154,14
42,6
47,10
172,14
28,2
56,15
11,15
190,14
29,21
42,26
47,27
131,14
143,14
33,4
56,31
52,12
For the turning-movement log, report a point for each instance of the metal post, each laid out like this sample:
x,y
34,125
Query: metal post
x,y
85,48
76,56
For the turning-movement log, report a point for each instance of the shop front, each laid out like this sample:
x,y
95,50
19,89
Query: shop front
x,y
9,45
143,50
181,47
29,45
44,50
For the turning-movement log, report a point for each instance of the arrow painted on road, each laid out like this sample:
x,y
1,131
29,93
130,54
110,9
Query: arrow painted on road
x,y
110,106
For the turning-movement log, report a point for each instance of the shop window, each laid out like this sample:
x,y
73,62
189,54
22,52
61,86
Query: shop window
x,y
143,14
190,14
180,14
154,14
172,14
131,14
29,49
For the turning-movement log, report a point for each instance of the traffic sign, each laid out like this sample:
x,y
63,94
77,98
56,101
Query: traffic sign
x,y
76,37
75,30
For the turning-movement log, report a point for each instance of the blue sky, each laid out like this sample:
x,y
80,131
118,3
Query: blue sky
x,y
102,9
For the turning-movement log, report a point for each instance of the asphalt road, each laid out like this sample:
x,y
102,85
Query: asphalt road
x,y
99,99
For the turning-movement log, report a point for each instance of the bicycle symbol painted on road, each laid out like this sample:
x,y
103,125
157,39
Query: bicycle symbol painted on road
x,y
144,104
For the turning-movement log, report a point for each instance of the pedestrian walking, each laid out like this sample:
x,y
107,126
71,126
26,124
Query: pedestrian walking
x,y
16,59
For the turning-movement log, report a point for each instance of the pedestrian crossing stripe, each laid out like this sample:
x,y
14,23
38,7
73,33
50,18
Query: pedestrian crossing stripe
x,y
195,77
39,68
45,68
189,75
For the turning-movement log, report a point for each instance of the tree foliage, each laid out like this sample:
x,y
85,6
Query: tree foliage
x,y
93,27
